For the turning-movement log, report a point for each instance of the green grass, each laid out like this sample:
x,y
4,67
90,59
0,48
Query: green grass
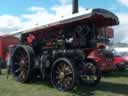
x,y
114,84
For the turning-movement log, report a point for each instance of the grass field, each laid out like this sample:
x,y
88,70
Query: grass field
x,y
114,84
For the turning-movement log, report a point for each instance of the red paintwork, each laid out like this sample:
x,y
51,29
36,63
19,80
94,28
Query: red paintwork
x,y
118,59
105,63
30,38
125,58
5,41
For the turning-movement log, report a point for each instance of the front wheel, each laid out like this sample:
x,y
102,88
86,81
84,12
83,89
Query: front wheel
x,y
63,74
90,74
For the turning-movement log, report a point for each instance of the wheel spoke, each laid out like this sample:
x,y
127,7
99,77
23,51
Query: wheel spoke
x,y
20,75
67,81
24,76
68,72
18,70
58,69
63,66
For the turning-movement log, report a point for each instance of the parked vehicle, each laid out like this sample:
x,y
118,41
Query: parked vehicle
x,y
5,41
123,52
125,57
104,58
119,60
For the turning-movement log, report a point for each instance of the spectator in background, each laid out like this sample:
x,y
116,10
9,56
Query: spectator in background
x,y
8,59
32,40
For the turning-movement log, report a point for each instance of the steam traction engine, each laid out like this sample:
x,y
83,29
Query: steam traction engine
x,y
57,50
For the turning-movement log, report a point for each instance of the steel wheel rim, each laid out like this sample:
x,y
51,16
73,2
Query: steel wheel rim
x,y
21,63
62,75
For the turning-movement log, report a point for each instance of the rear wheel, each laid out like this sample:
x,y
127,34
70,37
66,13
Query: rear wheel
x,y
91,73
63,74
22,63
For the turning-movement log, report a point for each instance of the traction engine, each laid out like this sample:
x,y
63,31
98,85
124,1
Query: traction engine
x,y
56,51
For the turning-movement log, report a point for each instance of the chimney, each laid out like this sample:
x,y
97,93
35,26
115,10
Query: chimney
x,y
74,6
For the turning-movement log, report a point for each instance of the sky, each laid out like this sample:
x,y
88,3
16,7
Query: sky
x,y
19,14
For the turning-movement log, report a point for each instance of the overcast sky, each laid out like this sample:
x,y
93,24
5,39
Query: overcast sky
x,y
18,14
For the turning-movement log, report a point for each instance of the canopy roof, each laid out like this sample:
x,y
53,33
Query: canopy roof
x,y
100,17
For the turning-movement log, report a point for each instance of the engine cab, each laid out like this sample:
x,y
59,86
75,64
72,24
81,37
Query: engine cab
x,y
80,30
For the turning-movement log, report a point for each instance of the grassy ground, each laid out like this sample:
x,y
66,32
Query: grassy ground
x,y
114,84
